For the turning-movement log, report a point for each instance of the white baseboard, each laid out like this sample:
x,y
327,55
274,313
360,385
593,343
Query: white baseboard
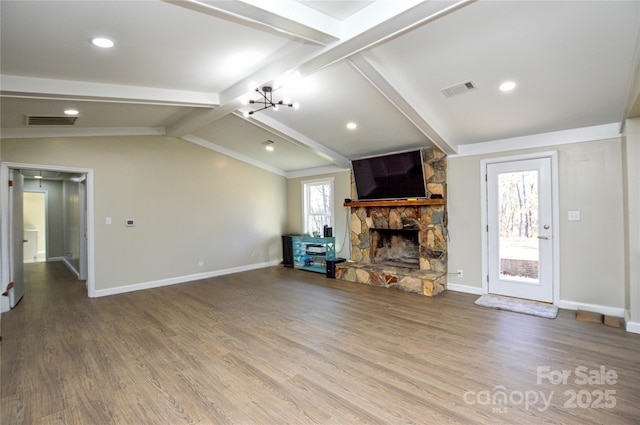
x,y
52,259
602,309
633,327
70,266
180,279
464,288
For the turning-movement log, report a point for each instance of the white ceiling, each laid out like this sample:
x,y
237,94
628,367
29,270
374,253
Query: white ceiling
x,y
182,68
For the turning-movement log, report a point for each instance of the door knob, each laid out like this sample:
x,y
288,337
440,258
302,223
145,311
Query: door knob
x,y
543,237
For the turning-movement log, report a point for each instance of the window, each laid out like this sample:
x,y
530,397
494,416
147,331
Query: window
x,y
318,205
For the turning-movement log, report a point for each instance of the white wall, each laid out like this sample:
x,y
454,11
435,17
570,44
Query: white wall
x,y
190,204
591,250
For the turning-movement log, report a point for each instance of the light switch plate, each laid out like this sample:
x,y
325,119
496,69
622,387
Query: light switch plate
x,y
574,215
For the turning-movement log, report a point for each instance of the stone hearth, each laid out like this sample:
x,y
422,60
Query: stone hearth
x,y
424,282
382,239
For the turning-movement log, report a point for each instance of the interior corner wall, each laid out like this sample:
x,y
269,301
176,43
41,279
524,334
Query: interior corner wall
x,y
632,218
342,184
196,211
591,250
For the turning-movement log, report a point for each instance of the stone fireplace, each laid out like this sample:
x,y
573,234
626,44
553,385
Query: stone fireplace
x,y
402,244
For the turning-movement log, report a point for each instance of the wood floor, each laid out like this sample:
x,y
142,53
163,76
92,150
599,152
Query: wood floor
x,y
283,346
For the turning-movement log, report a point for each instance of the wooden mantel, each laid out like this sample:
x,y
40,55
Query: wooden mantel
x,y
395,203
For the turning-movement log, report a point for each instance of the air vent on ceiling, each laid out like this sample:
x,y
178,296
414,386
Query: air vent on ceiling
x,y
50,120
458,89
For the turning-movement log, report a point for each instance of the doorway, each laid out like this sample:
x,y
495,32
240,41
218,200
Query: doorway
x,y
521,249
10,270
35,226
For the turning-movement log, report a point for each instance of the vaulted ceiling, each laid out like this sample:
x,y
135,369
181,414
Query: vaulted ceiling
x,y
185,68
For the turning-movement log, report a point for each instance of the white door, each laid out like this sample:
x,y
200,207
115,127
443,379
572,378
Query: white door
x,y
16,240
519,227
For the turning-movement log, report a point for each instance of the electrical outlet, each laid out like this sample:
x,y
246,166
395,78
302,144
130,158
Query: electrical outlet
x,y
460,273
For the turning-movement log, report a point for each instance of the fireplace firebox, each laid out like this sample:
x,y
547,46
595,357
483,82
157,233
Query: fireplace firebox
x,y
393,247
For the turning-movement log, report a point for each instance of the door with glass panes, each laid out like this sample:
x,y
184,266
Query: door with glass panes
x,y
519,220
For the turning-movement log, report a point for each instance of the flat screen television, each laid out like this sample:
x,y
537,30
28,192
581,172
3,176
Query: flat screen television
x,y
395,176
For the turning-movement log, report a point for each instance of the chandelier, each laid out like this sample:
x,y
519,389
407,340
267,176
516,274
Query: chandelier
x,y
267,101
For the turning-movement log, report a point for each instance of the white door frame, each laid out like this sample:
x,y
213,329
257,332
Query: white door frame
x,y
555,212
15,236
82,219
4,218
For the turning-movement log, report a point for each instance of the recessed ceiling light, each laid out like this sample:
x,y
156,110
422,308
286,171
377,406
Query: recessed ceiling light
x,y
507,86
71,112
352,125
102,42
269,145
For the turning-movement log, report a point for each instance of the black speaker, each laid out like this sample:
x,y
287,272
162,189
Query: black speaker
x,y
287,251
331,267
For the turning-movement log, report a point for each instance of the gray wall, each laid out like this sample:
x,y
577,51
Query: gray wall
x,y
191,205
591,250
631,146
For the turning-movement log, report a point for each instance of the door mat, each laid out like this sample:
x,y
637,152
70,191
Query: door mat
x,y
517,305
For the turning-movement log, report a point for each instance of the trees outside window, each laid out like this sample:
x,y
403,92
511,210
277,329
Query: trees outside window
x,y
318,205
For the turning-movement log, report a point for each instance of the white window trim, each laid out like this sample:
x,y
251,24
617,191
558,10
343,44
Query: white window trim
x,y
304,184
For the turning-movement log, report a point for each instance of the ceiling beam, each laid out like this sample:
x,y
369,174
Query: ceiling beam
x,y
233,154
277,128
201,118
375,14
371,74
31,132
45,88
373,35
284,17
232,98
374,27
